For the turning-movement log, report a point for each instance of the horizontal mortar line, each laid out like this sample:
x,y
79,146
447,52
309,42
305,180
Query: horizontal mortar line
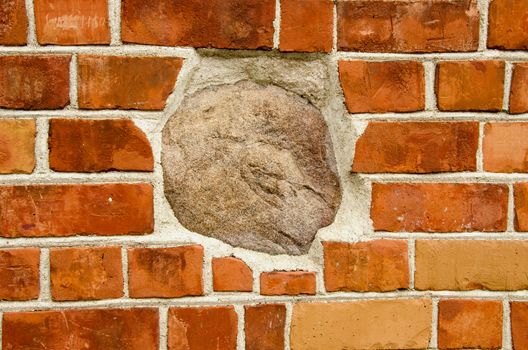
x,y
119,50
473,236
78,113
456,177
73,178
385,56
430,115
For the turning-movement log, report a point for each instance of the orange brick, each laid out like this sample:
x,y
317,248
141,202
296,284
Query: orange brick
x,y
17,146
374,266
468,324
470,85
407,26
165,272
264,327
306,25
72,22
287,283
519,325
19,274
417,147
519,89
499,141
86,273
119,82
507,25
231,275
377,87
14,24
521,206
68,210
399,207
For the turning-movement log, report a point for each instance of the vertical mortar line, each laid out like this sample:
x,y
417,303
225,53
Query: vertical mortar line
x,y
287,326
480,153
114,16
412,267
511,208
434,327
430,76
124,262
163,326
1,328
334,28
41,146
508,74
241,336
483,33
31,34
506,325
45,284
277,25
74,104
207,271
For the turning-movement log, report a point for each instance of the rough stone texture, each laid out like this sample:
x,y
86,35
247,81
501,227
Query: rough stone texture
x,y
35,82
469,324
377,87
19,274
287,283
519,322
521,206
370,324
374,266
228,24
203,328
471,265
68,210
108,329
98,145
13,22
72,22
507,25
417,147
231,275
86,273
505,147
252,166
519,88
17,146
407,26
264,327
470,85
165,272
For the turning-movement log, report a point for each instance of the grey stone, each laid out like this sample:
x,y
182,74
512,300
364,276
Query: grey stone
x,y
252,166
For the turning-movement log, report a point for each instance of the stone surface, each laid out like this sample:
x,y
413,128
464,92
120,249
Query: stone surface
x,y
519,89
13,22
369,324
519,325
252,166
19,274
264,326
505,147
231,275
521,206
17,146
287,283
508,21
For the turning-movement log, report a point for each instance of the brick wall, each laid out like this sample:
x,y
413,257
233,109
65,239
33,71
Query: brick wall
x,y
426,102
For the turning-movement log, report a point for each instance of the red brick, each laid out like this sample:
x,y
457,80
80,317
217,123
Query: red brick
x,y
521,206
507,25
98,145
306,25
519,89
470,85
407,26
86,273
468,324
206,328
68,210
519,325
14,24
499,141
399,207
377,87
108,329
287,283
374,266
264,327
165,272
119,82
19,274
417,147
223,24
17,146
231,275
35,82
72,22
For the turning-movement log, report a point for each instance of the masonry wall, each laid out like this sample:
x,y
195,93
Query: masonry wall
x,y
426,103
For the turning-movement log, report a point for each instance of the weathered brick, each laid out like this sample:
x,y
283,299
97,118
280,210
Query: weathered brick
x,y
521,206
264,327
203,328
287,283
369,324
519,325
67,210
377,87
13,23
223,24
519,89
507,25
505,147
470,85
417,147
109,329
120,82
17,146
72,22
471,265
231,275
19,274
98,145
35,82
425,207
375,266
469,324
306,25
165,272
86,273
407,26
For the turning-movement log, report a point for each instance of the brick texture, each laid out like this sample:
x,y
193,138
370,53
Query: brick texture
x,y
19,274
519,322
231,275
287,283
264,327
521,206
519,88
499,141
17,146
507,25
13,23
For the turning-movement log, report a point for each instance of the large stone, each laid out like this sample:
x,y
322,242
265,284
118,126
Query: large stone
x,y
252,166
